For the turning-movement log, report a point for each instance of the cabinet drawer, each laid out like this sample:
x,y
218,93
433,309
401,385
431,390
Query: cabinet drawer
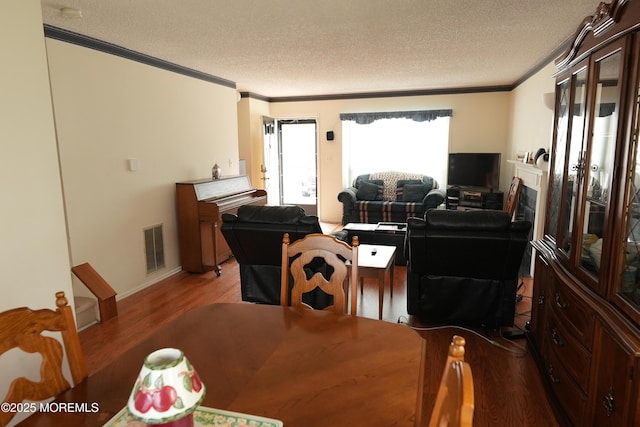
x,y
569,395
572,313
568,351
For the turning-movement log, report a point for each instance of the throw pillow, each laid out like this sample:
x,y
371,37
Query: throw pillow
x,y
370,190
400,187
414,192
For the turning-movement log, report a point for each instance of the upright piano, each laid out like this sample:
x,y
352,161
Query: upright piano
x,y
200,205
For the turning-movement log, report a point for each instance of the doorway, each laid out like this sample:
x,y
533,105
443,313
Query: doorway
x,y
290,169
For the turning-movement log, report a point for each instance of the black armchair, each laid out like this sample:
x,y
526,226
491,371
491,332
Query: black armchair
x,y
254,236
463,266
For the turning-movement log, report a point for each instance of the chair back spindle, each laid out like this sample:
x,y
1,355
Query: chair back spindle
x,y
455,400
22,328
332,275
511,202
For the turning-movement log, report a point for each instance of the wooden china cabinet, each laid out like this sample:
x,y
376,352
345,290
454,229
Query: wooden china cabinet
x,y
585,322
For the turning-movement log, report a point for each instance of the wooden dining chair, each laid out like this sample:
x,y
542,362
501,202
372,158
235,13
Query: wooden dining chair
x,y
335,254
511,202
454,401
22,328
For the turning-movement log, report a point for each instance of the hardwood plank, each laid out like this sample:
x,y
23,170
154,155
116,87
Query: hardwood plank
x,y
156,305
508,386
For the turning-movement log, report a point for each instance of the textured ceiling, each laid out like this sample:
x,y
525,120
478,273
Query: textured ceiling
x,y
284,48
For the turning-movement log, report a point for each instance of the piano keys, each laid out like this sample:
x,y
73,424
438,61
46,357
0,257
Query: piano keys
x,y
199,207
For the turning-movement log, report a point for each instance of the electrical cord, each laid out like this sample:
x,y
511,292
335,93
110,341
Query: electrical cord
x,y
520,350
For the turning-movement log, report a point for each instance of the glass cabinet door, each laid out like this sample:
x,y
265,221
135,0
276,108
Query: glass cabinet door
x,y
598,172
575,161
628,287
558,161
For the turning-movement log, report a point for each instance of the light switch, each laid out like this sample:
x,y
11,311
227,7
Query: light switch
x,y
134,164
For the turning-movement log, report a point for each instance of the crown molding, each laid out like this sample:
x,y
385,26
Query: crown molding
x,y
57,33
369,95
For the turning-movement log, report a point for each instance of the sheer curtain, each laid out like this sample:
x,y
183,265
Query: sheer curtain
x,y
396,144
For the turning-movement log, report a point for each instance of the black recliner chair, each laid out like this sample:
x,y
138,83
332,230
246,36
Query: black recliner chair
x,y
463,266
254,236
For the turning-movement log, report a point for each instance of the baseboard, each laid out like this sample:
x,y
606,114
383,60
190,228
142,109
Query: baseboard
x,y
149,283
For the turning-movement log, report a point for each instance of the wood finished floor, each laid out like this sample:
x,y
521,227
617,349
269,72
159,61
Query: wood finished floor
x,y
508,387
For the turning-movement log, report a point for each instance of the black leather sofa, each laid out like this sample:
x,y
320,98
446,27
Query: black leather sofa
x,y
254,236
463,266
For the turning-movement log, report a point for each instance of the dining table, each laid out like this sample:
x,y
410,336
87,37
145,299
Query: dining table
x,y
302,367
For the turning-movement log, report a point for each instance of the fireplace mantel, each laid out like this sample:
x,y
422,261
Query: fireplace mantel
x,y
536,179
532,176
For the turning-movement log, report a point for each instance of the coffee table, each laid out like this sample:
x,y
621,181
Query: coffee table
x,y
382,233
375,261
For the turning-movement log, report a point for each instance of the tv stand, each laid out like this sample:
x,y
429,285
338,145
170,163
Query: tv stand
x,y
473,198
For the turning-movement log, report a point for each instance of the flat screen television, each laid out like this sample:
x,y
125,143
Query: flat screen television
x,y
481,170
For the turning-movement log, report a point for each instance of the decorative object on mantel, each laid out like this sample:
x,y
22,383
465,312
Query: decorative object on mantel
x,y
541,158
216,171
167,390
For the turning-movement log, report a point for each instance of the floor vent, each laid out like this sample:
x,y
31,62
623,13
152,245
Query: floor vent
x,y
154,248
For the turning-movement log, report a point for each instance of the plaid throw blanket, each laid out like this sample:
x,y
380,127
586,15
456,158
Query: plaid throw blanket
x,y
390,180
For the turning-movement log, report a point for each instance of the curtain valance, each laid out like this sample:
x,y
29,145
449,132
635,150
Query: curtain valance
x,y
417,116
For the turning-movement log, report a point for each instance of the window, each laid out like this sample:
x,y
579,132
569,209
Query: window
x,y
396,144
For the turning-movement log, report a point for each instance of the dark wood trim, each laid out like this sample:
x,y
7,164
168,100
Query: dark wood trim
x,y
547,60
56,33
422,92
392,94
255,96
596,25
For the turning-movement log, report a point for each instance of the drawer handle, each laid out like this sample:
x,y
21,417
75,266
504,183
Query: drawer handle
x,y
609,402
554,337
559,303
554,379
541,300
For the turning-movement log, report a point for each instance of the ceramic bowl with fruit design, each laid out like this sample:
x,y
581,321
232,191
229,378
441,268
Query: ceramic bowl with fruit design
x,y
167,388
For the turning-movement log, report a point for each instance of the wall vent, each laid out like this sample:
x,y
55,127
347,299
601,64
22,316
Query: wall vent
x,y
154,248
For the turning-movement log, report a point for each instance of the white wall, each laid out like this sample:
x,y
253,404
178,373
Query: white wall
x,y
479,123
531,123
33,242
109,109
250,137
